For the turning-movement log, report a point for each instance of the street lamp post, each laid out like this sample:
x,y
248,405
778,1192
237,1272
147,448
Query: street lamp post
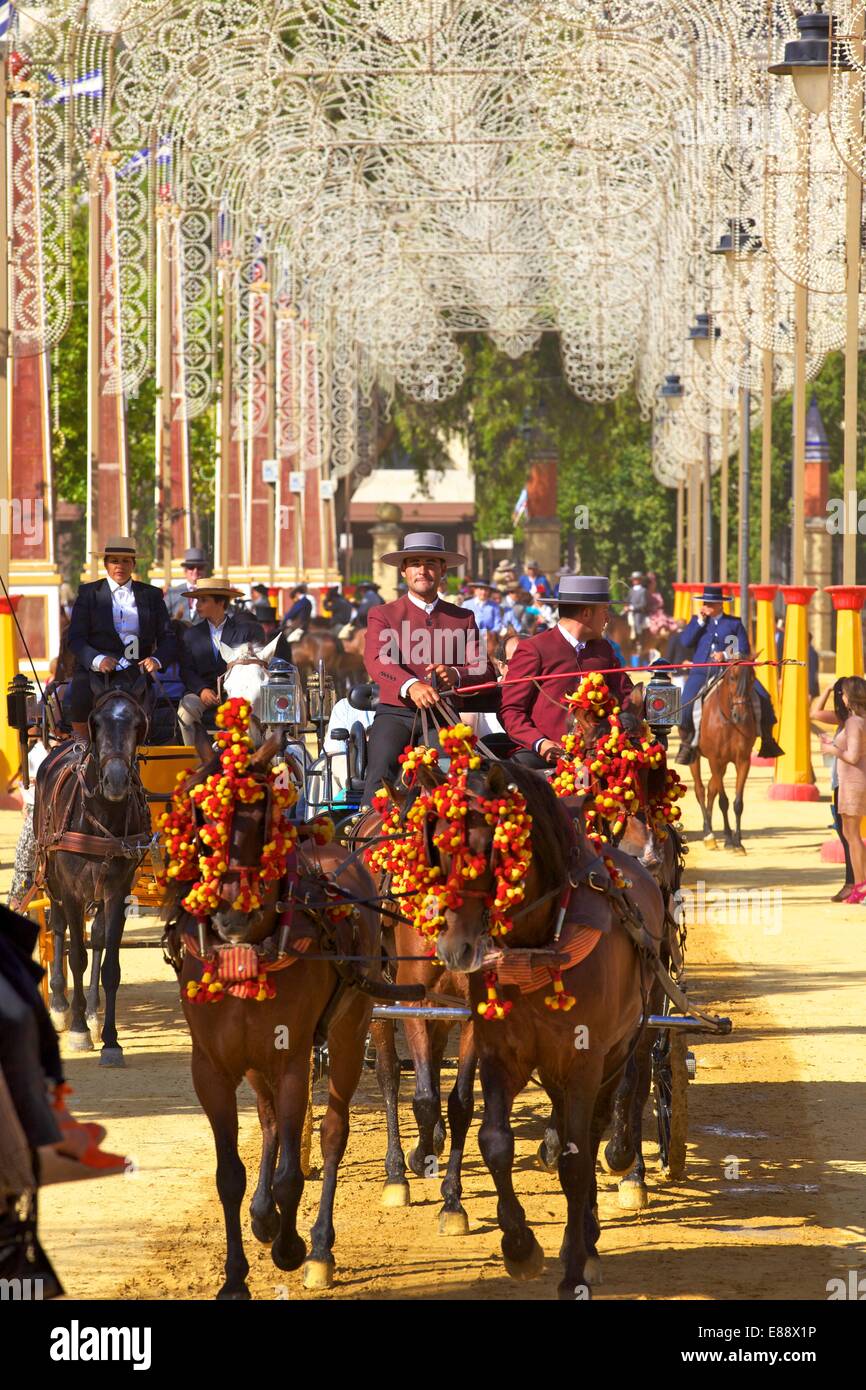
x,y
703,334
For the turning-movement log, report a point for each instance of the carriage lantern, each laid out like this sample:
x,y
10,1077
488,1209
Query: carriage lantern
x,y
280,700
662,702
21,713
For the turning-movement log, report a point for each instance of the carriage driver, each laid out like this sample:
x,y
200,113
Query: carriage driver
x,y
533,712
119,627
714,635
201,663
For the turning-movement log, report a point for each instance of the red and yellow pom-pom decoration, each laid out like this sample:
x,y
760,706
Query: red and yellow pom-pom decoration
x,y
216,798
610,772
424,895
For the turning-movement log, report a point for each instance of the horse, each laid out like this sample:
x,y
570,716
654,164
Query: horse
x,y
579,1066
426,1041
92,827
271,1041
729,728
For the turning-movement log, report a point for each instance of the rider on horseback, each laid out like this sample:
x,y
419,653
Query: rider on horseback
x,y
714,635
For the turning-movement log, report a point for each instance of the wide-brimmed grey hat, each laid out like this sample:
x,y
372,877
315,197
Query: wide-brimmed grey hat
x,y
419,543
583,588
194,556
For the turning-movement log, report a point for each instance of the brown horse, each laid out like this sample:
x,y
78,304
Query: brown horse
x,y
426,1041
728,732
578,1055
271,1042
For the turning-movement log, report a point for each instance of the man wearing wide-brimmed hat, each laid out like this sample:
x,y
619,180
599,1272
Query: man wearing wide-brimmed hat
x,y
413,640
714,635
119,627
534,714
201,663
180,599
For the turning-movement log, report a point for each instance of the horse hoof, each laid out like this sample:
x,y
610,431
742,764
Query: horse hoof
x,y
396,1194
710,842
292,1258
233,1295
423,1165
79,1042
738,849
265,1228
613,1163
60,1018
530,1267
111,1057
318,1274
592,1271
632,1195
453,1223
94,1028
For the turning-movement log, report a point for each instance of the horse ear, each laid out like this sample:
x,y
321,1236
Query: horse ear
x,y
497,779
203,744
229,653
263,755
267,651
429,775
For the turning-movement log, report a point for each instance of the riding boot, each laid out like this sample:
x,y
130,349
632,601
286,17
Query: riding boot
x,y
769,747
687,751
81,730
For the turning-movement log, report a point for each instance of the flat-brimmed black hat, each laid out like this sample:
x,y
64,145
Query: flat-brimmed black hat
x,y
420,543
583,588
713,593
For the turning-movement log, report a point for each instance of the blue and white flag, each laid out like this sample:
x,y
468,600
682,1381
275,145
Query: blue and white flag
x,y
520,507
90,85
7,14
163,156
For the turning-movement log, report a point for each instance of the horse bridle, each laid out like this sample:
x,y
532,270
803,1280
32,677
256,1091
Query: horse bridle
x,y
736,700
131,764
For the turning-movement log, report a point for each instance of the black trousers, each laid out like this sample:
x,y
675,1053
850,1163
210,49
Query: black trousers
x,y
390,732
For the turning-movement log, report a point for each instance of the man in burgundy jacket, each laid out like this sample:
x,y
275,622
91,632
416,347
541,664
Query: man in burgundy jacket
x,y
534,715
408,642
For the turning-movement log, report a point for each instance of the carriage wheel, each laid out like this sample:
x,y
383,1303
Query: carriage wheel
x,y
670,1098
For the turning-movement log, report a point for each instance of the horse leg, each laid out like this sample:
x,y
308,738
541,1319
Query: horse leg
x,y
632,1192
218,1097
426,1103
619,1153
453,1220
742,774
576,1165
521,1252
290,1108
58,1003
723,807
550,1148
115,917
97,946
79,1035
715,788
702,802
264,1217
346,1040
396,1190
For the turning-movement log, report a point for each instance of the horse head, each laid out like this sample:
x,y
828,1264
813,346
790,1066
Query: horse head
x,y
246,672
118,722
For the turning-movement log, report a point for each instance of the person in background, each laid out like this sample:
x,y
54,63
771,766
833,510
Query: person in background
x,y
369,598
336,609
300,611
488,615
260,603
636,604
514,608
814,686
534,582
780,638
848,746
619,637
835,716
195,567
201,661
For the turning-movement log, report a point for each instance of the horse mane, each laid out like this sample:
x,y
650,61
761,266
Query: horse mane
x,y
551,838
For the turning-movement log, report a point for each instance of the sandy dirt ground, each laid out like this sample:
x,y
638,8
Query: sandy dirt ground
x,y
772,1205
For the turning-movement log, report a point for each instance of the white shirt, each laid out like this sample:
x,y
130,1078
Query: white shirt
x,y
216,635
124,615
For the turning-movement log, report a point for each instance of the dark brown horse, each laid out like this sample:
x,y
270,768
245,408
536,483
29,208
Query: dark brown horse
x,y
271,1043
92,826
426,1041
728,732
578,1055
